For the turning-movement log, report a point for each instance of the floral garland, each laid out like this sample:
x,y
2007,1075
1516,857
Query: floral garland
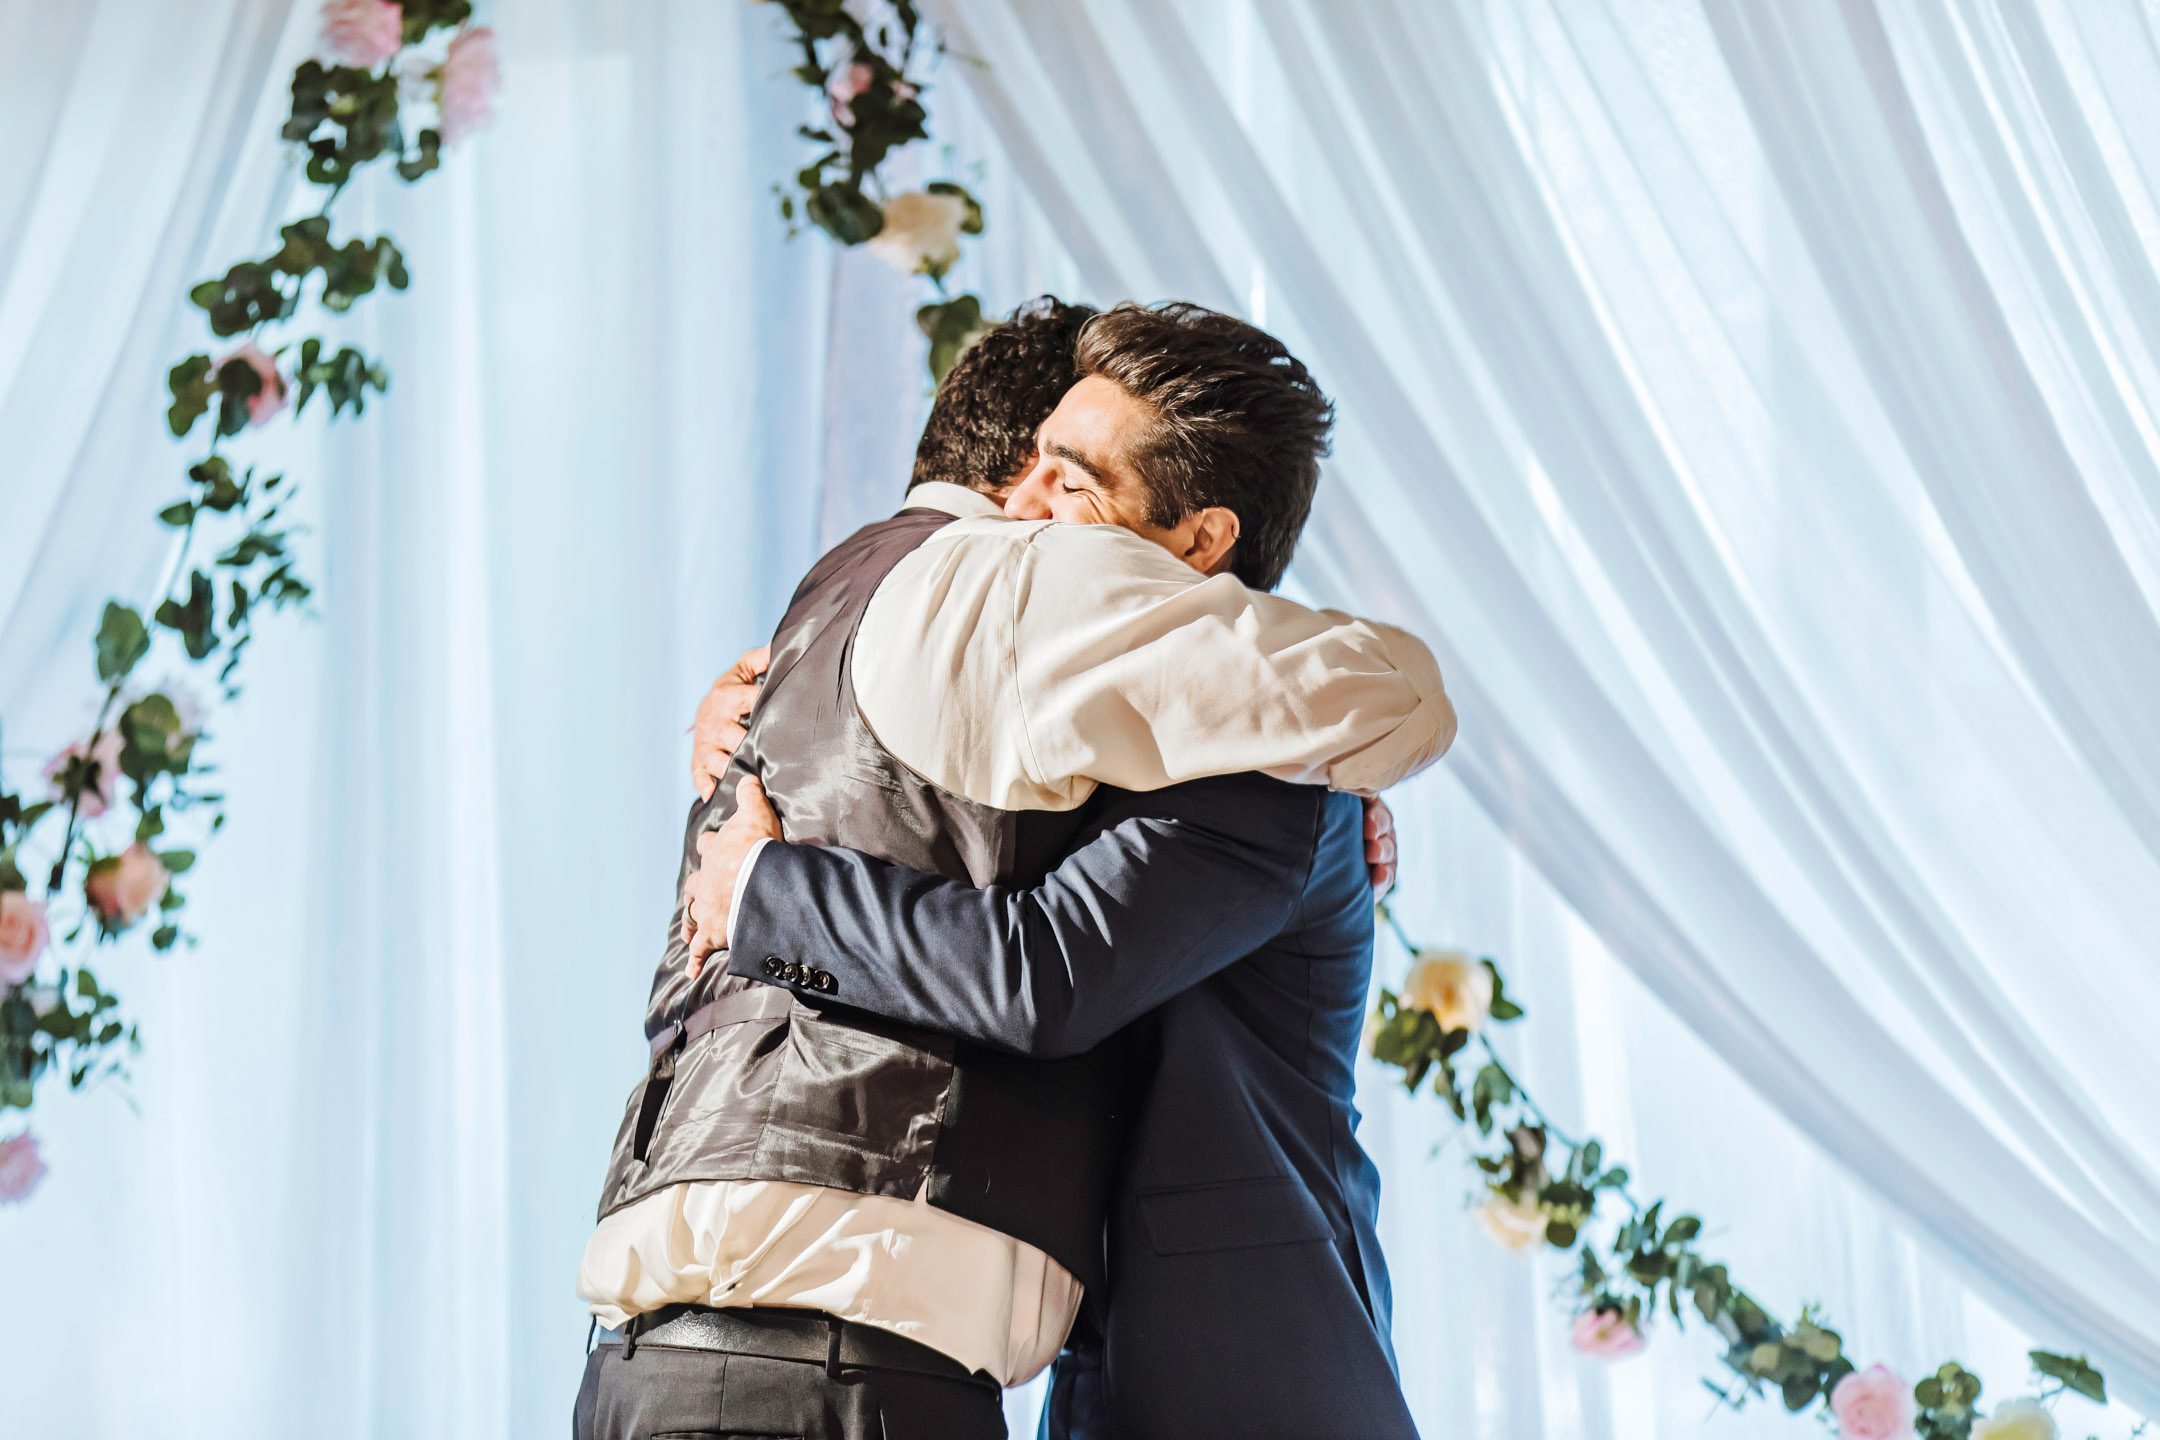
x,y
380,61
1545,1187
872,107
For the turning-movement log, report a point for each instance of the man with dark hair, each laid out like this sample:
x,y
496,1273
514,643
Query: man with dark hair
x,y
981,431
1214,413
1247,1295
820,1222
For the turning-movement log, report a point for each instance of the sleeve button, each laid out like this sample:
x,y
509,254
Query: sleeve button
x,y
824,982
774,965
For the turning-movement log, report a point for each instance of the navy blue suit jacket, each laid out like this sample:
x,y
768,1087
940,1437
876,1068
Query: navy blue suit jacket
x,y
1231,917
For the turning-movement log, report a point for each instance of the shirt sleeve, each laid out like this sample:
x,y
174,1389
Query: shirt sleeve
x,y
1022,663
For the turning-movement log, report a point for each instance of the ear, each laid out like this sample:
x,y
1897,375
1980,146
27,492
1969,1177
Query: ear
x,y
1211,536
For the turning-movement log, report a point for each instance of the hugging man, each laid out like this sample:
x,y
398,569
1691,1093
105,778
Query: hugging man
x,y
821,1220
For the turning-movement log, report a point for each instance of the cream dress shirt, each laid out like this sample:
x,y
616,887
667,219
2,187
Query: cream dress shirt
x,y
1020,664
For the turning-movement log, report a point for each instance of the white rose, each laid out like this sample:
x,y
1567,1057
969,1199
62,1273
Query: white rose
x,y
2016,1420
1456,988
922,232
1515,1225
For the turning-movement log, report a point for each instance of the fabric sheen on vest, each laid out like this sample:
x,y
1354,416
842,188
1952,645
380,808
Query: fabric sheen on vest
x,y
802,1089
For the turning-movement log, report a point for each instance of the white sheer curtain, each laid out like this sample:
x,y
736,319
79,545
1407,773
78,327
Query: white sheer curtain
x,y
375,1104
1752,403
1754,415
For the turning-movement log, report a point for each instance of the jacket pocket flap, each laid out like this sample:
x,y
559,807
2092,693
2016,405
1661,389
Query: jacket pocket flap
x,y
1235,1216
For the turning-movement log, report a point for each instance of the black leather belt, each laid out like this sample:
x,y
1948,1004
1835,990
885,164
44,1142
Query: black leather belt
x,y
780,1333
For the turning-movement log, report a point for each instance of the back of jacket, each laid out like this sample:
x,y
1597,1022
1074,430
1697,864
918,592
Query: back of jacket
x,y
1232,919
1248,1296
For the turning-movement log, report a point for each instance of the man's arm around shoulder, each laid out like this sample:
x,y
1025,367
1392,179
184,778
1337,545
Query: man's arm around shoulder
x,y
1163,890
1020,663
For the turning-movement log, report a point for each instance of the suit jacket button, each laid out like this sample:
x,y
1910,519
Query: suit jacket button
x,y
824,982
794,972
774,965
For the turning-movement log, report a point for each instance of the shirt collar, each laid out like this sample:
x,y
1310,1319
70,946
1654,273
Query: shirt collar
x,y
955,500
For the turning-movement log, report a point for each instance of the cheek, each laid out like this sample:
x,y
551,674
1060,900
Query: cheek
x,y
1080,509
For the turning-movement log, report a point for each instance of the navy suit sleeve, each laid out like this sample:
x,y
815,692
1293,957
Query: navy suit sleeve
x,y
1161,891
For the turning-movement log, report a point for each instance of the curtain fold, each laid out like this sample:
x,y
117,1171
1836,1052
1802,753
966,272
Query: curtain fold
x,y
1683,403
1753,406
375,1104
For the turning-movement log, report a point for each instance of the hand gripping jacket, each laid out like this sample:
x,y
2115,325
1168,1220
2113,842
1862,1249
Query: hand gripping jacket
x,y
761,1082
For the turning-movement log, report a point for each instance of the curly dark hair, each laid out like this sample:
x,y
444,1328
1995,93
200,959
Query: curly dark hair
x,y
981,431
1239,422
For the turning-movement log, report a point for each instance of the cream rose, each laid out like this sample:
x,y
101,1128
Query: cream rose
x,y
1515,1225
123,887
1456,988
2016,1420
922,232
22,937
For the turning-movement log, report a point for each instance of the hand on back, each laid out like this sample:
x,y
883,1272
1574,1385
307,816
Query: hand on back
x,y
719,731
721,716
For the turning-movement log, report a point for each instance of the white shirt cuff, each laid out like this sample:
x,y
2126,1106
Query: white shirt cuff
x,y
742,882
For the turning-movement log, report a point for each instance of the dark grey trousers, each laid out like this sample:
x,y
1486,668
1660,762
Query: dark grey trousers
x,y
660,1393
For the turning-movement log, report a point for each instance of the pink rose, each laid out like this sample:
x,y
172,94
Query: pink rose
x,y
1872,1404
1605,1334
467,85
846,83
20,1167
22,937
103,782
122,888
270,399
362,33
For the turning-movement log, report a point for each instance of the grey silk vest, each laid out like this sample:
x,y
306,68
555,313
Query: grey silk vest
x,y
760,1082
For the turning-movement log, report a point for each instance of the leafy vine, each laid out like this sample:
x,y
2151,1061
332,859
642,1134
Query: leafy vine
x,y
1543,1186
865,73
118,796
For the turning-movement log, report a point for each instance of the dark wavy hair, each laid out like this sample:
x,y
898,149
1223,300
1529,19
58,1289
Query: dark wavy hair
x,y
981,430
1239,422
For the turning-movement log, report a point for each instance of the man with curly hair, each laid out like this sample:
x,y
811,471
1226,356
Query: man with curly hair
x,y
1052,1001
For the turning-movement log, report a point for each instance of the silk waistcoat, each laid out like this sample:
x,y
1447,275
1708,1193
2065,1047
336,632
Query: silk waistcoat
x,y
763,1082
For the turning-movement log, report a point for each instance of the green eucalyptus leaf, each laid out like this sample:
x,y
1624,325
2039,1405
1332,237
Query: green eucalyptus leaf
x,y
2074,1371
1824,1345
842,211
973,223
952,326
189,382
122,640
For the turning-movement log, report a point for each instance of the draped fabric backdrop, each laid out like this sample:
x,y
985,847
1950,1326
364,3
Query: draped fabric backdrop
x,y
1755,404
1751,403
